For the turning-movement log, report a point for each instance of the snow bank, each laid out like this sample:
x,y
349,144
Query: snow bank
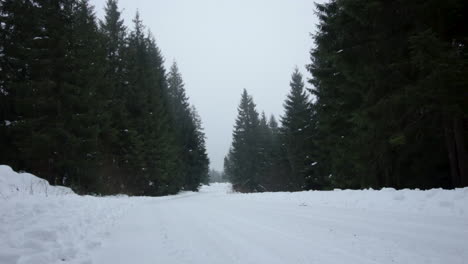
x,y
430,202
20,184
44,224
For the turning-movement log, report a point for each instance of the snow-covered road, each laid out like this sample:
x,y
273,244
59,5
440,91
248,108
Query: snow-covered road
x,y
215,226
41,224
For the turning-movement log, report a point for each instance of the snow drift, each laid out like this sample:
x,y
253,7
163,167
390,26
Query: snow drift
x,y
20,184
430,202
44,224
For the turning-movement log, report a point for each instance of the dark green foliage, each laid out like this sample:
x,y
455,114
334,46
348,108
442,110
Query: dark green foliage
x,y
189,134
87,106
297,137
242,164
200,162
256,160
390,104
52,130
276,172
16,54
390,80
114,139
264,151
266,157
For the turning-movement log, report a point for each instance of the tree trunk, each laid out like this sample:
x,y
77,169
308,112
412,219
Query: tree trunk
x,y
462,155
452,153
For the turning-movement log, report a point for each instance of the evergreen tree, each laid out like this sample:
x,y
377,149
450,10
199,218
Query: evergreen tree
x,y
228,169
83,79
201,162
278,170
296,132
264,152
114,136
162,147
185,129
244,155
152,154
189,133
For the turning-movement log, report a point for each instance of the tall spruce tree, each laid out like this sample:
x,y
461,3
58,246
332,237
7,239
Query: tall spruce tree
x,y
163,152
264,152
278,170
245,152
189,133
296,132
201,163
113,172
184,126
228,169
83,78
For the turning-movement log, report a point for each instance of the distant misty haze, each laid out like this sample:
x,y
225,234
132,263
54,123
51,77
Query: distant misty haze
x,y
222,47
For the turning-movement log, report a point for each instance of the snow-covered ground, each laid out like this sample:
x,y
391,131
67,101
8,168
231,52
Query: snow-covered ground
x,y
44,224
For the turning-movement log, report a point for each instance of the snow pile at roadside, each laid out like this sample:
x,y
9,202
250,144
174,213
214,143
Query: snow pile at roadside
x,y
431,202
20,184
43,224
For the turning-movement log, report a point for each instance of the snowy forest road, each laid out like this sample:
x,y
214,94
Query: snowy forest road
x,y
215,226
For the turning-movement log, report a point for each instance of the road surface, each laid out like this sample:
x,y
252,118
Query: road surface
x,y
216,226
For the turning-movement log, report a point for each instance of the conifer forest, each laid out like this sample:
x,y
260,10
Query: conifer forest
x,y
88,103
387,105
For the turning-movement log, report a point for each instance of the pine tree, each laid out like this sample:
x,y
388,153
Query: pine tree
x,y
82,121
153,155
114,136
184,126
114,34
189,133
201,164
295,131
264,152
228,169
278,170
244,155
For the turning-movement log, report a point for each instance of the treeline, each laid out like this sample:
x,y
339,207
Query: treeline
x,y
267,157
388,105
88,104
216,176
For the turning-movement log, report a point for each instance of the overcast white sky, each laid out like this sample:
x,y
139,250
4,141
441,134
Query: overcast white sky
x,y
222,47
